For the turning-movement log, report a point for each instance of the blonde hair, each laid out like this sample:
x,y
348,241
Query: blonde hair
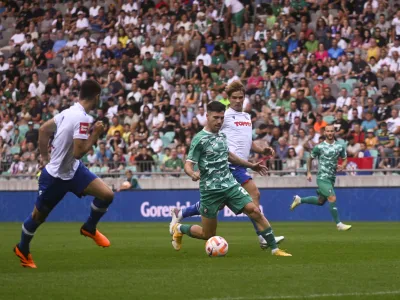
x,y
235,86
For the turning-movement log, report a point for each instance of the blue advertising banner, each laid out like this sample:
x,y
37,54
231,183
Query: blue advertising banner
x,y
354,204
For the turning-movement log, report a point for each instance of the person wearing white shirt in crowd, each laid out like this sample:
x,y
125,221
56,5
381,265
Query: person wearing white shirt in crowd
x,y
123,19
28,44
395,47
7,128
17,39
80,76
293,113
17,166
147,48
164,24
36,88
178,94
393,123
232,77
204,56
133,19
344,99
113,109
82,23
354,105
394,64
85,40
156,143
111,39
396,23
135,94
94,9
158,118
201,116
3,65
261,33
130,6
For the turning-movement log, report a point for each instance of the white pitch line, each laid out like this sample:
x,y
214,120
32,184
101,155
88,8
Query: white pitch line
x,y
337,295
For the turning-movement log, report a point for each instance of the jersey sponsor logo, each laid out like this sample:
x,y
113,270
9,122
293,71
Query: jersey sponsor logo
x,y
83,128
241,123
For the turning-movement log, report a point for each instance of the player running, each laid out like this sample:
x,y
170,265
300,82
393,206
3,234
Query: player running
x,y
210,151
237,127
65,172
327,153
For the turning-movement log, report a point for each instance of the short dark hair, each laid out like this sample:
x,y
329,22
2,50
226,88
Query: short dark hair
x,y
89,90
216,106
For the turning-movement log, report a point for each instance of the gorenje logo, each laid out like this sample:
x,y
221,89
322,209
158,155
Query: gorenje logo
x,y
164,211
156,211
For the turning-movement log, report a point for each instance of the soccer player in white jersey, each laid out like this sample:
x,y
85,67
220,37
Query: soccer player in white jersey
x,y
238,130
63,171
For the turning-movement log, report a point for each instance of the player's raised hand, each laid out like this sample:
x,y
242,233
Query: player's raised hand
x,y
196,176
98,128
260,169
309,177
339,168
269,151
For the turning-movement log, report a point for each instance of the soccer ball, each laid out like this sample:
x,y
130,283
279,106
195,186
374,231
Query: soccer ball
x,y
216,246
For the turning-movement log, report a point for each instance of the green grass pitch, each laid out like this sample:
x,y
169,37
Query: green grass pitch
x,y
141,264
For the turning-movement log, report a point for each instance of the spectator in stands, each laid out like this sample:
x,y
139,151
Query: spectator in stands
x,y
174,164
386,141
144,161
131,182
17,166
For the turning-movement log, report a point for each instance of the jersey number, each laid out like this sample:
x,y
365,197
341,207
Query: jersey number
x,y
243,191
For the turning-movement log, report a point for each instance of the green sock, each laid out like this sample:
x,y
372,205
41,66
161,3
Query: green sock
x,y
185,229
334,212
310,200
268,235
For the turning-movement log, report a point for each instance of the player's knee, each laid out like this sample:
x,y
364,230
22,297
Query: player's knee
x,y
108,196
332,199
254,213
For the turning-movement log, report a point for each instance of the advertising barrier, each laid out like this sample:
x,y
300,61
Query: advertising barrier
x,y
354,204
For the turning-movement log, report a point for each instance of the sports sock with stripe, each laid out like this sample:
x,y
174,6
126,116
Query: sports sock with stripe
x,y
28,230
334,212
98,209
268,235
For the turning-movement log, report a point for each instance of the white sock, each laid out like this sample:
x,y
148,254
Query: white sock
x,y
261,240
180,214
339,224
274,250
179,228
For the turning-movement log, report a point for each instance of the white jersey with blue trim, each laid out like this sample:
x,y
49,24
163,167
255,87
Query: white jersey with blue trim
x,y
239,132
72,123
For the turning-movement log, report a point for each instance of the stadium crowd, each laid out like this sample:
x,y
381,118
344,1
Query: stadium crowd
x,y
305,64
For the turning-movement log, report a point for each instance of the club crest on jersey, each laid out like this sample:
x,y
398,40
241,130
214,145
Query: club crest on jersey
x,y
83,128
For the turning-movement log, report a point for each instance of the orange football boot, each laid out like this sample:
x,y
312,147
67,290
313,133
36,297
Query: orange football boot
x,y
26,262
98,238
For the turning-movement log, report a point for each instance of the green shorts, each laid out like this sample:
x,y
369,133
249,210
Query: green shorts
x,y
325,188
235,197
238,19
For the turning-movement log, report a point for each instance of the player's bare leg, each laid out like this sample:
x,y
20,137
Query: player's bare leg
x,y
335,214
207,229
103,199
255,195
253,212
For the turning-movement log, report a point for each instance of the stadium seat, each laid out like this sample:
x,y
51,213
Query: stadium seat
x,y
276,120
346,86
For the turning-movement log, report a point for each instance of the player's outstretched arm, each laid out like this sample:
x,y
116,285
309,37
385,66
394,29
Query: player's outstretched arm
x,y
188,168
342,166
257,167
82,146
45,133
268,151
309,164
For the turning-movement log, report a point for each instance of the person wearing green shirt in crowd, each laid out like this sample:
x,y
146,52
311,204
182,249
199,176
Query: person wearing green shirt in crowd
x,y
328,153
276,7
217,59
224,99
312,44
131,183
149,64
174,164
209,150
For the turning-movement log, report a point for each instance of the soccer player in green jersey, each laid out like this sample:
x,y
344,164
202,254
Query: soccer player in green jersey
x,y
209,149
327,153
